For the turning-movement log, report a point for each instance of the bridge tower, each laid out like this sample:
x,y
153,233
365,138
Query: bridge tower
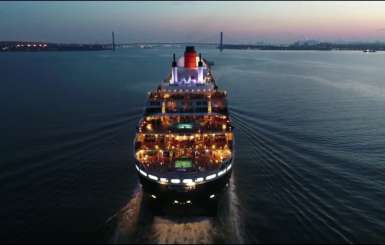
x,y
221,42
113,41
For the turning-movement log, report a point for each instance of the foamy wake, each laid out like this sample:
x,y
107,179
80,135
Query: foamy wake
x,y
127,219
191,230
135,223
229,216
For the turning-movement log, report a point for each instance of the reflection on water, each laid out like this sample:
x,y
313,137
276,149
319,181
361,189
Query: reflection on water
x,y
135,223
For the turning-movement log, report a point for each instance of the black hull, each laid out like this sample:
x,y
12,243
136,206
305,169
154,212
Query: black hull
x,y
200,200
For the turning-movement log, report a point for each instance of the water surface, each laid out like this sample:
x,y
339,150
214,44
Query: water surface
x,y
309,164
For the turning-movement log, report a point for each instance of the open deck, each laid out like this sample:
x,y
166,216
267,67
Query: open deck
x,y
163,152
205,140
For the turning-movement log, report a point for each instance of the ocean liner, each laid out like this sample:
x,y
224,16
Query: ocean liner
x,y
183,146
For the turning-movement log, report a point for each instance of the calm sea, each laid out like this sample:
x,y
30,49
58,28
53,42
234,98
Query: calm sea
x,y
310,148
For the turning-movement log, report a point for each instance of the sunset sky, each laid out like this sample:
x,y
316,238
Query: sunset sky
x,y
241,22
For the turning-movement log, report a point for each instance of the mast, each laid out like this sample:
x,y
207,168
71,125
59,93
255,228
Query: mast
x,y
200,69
174,70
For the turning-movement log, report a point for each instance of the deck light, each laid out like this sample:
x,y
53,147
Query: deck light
x,y
176,201
153,196
163,180
212,196
200,179
188,181
152,177
175,181
221,172
211,176
142,172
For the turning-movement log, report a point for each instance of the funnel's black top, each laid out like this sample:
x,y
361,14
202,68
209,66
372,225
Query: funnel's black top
x,y
190,49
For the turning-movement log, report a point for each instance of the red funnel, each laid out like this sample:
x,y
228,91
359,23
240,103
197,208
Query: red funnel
x,y
190,57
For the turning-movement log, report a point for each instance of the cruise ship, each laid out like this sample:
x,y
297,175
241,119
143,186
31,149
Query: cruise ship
x,y
184,144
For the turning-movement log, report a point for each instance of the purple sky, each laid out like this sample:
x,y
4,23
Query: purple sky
x,y
242,22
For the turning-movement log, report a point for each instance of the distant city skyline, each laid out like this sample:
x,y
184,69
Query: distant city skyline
x,y
241,22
